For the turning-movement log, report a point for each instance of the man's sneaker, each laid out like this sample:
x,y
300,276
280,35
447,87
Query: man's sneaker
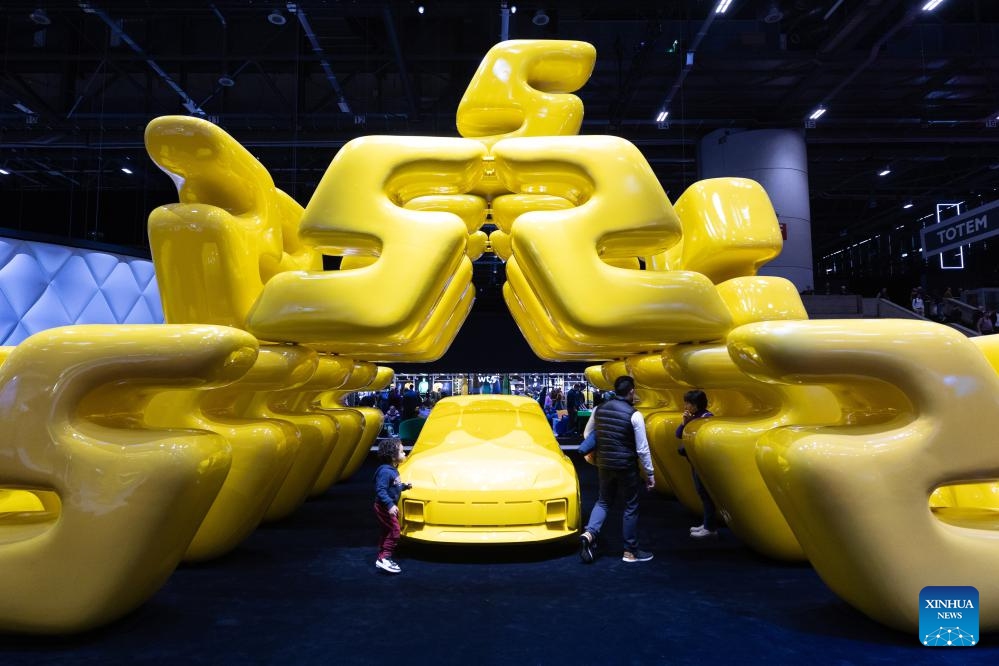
x,y
702,532
385,564
636,556
587,544
695,528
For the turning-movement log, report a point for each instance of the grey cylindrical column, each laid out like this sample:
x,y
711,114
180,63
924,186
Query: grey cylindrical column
x,y
777,160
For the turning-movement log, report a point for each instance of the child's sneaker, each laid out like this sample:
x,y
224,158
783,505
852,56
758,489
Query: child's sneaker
x,y
387,565
636,556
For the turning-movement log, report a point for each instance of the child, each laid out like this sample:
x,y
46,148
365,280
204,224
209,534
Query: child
x,y
388,489
695,406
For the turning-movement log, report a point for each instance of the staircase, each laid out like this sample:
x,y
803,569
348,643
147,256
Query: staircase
x,y
850,306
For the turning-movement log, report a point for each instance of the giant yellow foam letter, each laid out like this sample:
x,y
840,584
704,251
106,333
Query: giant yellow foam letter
x,y
421,278
120,502
856,494
619,211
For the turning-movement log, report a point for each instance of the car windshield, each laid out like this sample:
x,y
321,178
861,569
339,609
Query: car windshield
x,y
488,420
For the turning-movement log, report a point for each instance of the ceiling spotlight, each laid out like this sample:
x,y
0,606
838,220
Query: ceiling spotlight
x,y
40,17
513,9
4,172
884,172
722,6
931,5
421,9
226,81
662,116
126,170
817,113
907,204
540,18
276,18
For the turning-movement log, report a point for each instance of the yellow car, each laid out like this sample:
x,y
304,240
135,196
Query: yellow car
x,y
487,469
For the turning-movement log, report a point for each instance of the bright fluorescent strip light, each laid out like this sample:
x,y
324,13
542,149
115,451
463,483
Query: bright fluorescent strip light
x,y
931,5
662,116
23,109
722,6
4,172
884,172
126,170
817,113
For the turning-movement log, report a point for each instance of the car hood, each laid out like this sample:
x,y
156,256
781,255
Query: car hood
x,y
484,466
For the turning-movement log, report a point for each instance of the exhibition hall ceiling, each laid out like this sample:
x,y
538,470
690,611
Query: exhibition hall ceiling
x,y
908,91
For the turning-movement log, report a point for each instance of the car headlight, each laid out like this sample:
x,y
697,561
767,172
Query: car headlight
x,y
556,512
412,510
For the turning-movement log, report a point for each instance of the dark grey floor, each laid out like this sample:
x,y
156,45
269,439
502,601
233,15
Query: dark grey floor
x,y
305,591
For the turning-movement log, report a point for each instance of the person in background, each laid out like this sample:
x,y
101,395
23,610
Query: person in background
x,y
410,402
573,403
695,406
985,324
392,420
388,490
621,455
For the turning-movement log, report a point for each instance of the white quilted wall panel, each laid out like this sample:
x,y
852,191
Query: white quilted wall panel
x,y
44,285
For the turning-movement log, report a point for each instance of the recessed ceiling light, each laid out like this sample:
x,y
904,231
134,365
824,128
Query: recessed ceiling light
x,y
276,18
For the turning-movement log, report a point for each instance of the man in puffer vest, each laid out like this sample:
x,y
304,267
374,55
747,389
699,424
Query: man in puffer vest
x,y
622,454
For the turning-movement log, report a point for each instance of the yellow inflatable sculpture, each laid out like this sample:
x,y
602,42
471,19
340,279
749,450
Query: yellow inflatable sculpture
x,y
619,210
421,278
120,501
263,450
313,432
915,399
372,421
231,231
130,447
523,88
350,422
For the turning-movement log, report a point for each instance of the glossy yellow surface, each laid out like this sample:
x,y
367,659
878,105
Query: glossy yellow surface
x,y
350,422
487,469
730,229
619,211
120,502
332,373
263,449
360,208
523,88
723,448
372,422
916,398
314,432
231,231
